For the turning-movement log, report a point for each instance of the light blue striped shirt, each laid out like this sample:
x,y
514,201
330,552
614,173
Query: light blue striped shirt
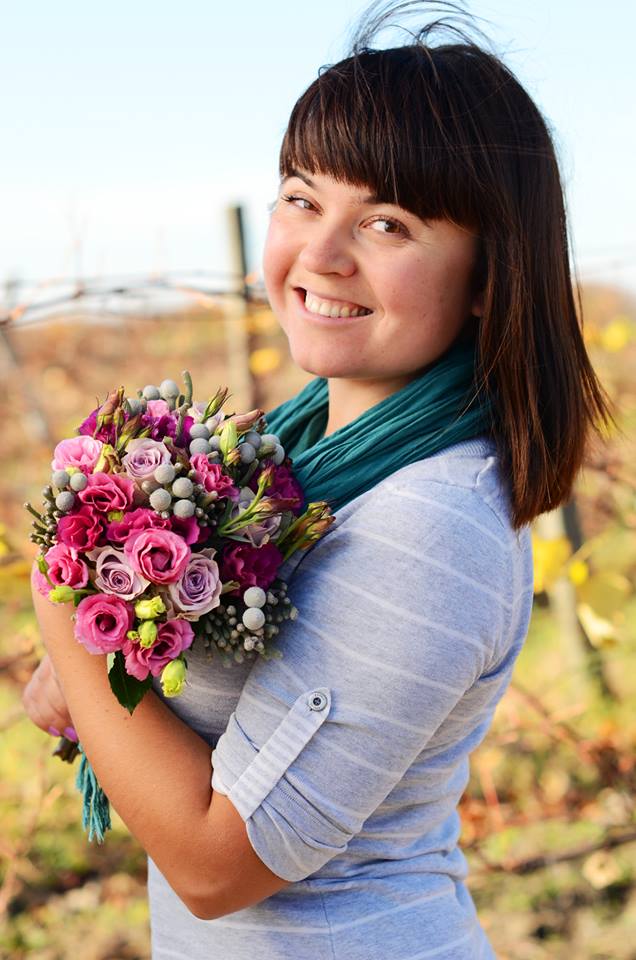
x,y
347,758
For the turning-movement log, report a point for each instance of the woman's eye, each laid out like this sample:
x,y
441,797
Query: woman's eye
x,y
291,198
398,228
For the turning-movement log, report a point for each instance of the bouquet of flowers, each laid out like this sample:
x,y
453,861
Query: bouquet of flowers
x,y
166,522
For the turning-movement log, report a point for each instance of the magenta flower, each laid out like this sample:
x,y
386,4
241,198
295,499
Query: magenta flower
x,y
212,477
83,529
65,566
102,622
173,637
118,531
80,452
251,566
158,555
199,589
108,491
284,485
189,529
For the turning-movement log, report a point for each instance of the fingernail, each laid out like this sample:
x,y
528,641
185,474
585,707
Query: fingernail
x,y
55,731
70,734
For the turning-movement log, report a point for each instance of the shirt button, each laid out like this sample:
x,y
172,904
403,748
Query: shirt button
x,y
317,701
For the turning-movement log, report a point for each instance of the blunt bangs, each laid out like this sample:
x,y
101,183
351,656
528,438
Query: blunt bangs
x,y
383,119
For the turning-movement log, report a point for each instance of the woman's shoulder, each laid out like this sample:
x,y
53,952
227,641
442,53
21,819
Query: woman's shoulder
x,y
462,482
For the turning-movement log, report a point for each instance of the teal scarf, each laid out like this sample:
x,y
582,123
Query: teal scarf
x,y
437,409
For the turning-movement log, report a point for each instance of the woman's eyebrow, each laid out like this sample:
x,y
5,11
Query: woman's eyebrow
x,y
360,201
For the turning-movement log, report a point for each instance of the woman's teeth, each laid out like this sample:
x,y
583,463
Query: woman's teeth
x,y
332,308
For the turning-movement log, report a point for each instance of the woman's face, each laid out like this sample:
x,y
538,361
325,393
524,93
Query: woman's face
x,y
333,244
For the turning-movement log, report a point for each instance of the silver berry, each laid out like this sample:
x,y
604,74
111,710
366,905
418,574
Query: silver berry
x,y
65,501
183,509
247,452
169,390
182,487
165,473
199,446
255,597
78,481
160,499
253,618
60,479
254,438
199,430
151,392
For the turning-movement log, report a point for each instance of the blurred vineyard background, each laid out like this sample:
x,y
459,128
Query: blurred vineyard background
x,y
549,824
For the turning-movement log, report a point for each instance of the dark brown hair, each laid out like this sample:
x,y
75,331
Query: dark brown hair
x,y
447,131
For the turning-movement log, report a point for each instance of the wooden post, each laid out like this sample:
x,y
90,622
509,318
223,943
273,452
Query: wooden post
x,y
242,382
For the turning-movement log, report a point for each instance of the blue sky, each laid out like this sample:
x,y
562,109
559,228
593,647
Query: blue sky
x,y
127,127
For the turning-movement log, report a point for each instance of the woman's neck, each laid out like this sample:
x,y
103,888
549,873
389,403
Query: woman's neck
x,y
349,399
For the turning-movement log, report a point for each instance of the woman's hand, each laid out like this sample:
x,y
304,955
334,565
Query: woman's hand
x,y
44,702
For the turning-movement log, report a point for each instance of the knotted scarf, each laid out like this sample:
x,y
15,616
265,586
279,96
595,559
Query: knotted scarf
x,y
441,407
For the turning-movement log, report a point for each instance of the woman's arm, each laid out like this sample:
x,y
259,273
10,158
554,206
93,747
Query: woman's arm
x,y
156,772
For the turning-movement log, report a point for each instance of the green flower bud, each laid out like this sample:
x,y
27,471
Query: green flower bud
x,y
114,515
149,609
147,633
61,594
173,678
229,437
133,636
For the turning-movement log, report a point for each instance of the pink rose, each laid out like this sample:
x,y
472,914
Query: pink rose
x,y
212,477
199,589
159,408
65,567
251,566
173,637
82,529
108,491
144,455
158,555
118,531
102,622
80,452
115,575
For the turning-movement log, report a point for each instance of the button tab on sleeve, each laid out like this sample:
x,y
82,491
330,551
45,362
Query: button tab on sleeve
x,y
317,700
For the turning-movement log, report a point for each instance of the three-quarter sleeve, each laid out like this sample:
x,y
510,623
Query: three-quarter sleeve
x,y
401,611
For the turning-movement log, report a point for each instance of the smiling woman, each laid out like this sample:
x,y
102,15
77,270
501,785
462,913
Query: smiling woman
x,y
420,191
410,289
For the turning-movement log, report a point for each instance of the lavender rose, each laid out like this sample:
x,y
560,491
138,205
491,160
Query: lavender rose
x,y
102,623
199,589
143,456
115,575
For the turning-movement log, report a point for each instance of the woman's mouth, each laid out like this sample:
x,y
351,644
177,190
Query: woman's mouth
x,y
329,307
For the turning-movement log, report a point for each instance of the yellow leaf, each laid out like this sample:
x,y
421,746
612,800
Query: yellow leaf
x,y
617,334
578,572
265,361
549,559
600,632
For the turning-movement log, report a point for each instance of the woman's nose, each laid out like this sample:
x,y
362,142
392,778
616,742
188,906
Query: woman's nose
x,y
327,251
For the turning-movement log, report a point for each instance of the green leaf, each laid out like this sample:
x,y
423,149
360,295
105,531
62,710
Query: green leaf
x,y
128,690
